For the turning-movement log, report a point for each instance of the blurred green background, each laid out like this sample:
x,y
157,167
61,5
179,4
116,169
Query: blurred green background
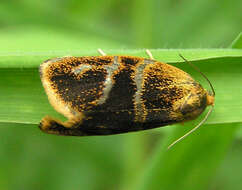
x,y
32,31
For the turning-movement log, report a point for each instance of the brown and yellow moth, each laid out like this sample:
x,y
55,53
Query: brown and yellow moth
x,y
106,95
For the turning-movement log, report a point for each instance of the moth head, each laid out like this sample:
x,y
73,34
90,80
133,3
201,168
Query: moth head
x,y
210,98
205,98
195,103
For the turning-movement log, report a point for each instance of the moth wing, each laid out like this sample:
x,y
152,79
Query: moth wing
x,y
72,84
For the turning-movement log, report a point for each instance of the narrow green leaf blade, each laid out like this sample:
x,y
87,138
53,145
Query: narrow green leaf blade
x,y
23,100
237,43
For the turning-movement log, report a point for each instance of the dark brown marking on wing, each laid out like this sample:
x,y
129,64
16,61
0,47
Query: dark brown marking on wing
x,y
80,91
160,91
122,91
130,61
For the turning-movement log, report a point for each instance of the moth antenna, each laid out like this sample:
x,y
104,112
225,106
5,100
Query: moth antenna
x,y
101,52
192,130
209,112
196,68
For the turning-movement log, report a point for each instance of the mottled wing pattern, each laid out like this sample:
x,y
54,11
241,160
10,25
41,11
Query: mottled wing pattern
x,y
163,87
116,94
74,84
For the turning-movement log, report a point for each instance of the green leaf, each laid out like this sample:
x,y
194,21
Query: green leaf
x,y
23,99
237,43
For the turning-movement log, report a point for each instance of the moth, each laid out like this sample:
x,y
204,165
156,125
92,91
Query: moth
x,y
107,95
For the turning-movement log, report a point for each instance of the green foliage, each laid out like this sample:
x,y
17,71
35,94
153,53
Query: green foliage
x,y
192,163
33,31
29,103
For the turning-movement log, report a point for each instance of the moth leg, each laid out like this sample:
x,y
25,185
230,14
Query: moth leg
x,y
70,128
149,54
101,52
